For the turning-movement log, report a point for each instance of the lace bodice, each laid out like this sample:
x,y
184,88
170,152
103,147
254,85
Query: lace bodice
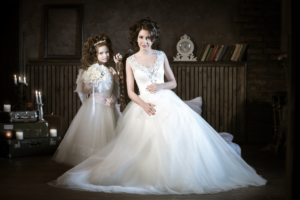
x,y
145,76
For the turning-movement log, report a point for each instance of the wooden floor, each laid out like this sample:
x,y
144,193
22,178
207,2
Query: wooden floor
x,y
26,178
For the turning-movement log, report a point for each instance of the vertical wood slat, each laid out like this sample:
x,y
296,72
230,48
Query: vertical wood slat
x,y
221,128
61,91
241,97
32,93
40,82
49,84
213,97
204,92
179,83
28,89
70,86
57,90
53,90
66,96
74,98
225,97
45,90
234,91
229,118
192,83
36,78
200,83
208,96
78,100
187,83
183,85
175,72
196,79
217,117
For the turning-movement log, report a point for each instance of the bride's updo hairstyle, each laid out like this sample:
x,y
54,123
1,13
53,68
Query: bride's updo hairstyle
x,y
90,47
146,24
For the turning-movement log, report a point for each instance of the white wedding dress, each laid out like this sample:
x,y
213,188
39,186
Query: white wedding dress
x,y
88,133
174,151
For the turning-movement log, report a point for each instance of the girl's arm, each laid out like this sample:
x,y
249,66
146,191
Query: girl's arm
x,y
86,88
171,84
148,107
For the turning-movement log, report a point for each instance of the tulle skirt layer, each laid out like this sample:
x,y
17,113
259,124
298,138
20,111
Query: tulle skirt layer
x,y
87,133
173,152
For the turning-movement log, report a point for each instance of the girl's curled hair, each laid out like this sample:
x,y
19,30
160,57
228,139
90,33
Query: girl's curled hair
x,y
146,24
90,49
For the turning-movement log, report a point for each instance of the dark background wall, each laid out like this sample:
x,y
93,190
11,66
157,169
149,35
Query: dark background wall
x,y
9,51
217,22
205,21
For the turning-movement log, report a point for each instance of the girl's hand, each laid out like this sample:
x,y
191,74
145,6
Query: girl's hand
x,y
153,88
118,58
149,108
108,101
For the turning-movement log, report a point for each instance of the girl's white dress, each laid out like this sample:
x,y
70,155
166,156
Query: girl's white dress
x,y
87,132
174,151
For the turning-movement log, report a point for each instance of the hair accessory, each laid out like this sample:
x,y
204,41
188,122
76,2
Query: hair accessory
x,y
99,42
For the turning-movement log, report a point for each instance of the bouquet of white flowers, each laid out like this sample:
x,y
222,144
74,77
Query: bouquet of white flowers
x,y
94,74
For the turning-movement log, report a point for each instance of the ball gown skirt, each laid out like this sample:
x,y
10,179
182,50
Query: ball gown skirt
x,y
174,151
87,133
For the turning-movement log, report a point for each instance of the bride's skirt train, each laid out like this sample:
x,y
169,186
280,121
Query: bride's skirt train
x,y
173,152
196,105
87,133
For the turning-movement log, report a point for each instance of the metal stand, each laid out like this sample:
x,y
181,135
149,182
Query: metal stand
x,y
41,114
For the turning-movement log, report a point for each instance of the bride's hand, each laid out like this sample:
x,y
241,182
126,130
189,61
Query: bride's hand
x,y
118,58
149,108
153,88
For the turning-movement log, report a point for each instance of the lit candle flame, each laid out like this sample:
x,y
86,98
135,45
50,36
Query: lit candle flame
x,y
39,93
36,92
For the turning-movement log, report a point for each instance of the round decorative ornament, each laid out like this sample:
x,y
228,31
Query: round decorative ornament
x,y
185,48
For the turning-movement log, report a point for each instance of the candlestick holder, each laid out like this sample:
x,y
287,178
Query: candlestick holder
x,y
20,91
41,113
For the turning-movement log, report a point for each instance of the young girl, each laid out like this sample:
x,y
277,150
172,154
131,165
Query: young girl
x,y
94,124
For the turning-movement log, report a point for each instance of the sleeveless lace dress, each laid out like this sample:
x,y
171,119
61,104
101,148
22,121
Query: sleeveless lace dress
x,y
174,151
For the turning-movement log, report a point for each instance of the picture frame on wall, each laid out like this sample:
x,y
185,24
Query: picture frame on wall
x,y
63,32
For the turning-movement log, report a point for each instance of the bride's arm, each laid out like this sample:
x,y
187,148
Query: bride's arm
x,y
115,75
148,107
171,84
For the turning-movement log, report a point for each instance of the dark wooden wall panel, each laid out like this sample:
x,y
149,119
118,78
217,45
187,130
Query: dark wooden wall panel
x,y
56,80
222,87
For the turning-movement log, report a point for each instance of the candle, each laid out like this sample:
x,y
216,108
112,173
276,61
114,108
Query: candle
x,y
40,97
53,133
19,135
6,107
20,80
16,80
8,134
36,95
24,80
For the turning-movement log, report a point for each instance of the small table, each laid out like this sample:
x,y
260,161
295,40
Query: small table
x,y
278,100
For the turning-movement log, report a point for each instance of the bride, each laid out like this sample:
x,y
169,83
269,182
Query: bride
x,y
162,145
